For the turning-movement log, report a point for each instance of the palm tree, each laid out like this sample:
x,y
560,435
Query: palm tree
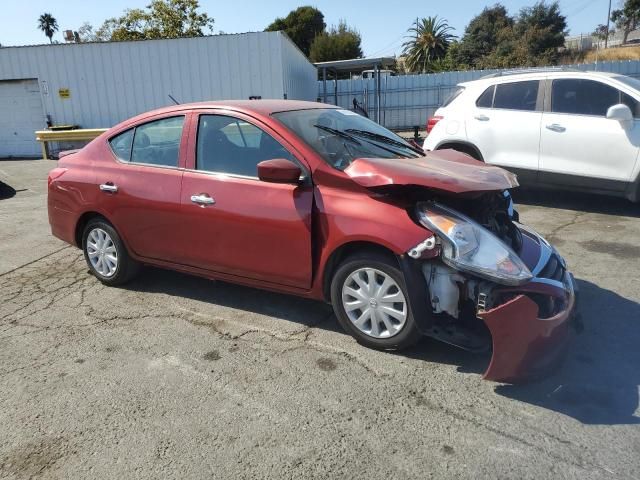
x,y
427,42
48,25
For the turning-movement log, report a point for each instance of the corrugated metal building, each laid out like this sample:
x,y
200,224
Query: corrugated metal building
x,y
97,85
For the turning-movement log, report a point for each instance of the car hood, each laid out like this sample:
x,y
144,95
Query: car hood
x,y
444,170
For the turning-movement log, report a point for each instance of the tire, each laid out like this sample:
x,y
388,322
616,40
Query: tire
x,y
402,332
101,245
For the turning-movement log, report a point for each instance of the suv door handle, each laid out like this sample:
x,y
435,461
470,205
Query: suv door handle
x,y
554,127
108,187
481,117
202,199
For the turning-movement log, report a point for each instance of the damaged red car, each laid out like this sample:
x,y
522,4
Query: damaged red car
x,y
317,201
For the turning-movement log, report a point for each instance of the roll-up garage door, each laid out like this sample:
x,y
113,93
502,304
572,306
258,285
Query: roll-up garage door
x,y
20,116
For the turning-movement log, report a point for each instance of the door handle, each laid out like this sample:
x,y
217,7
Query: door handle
x,y
202,199
554,127
108,187
482,118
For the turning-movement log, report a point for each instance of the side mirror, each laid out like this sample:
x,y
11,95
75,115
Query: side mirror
x,y
279,170
621,113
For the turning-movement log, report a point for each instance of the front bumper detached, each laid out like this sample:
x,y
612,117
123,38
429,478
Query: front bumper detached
x,y
524,345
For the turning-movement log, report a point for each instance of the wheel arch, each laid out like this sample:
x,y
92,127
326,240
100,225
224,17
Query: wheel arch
x,y
344,251
463,146
82,222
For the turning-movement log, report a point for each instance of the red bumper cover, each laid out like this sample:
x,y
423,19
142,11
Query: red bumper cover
x,y
524,345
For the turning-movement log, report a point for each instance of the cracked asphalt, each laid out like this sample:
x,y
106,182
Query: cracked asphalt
x,y
174,376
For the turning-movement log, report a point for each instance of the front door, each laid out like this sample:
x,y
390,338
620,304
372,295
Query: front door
x,y
579,146
234,223
505,126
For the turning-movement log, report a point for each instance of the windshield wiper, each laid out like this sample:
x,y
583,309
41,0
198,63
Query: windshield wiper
x,y
339,133
351,138
383,139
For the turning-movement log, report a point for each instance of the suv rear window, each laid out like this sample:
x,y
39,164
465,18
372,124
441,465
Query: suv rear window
x,y
455,94
517,95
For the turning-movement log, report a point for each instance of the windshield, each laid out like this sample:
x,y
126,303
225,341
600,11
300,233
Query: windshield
x,y
341,136
629,81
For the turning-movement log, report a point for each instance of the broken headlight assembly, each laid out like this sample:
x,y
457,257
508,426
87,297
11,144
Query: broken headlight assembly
x,y
467,246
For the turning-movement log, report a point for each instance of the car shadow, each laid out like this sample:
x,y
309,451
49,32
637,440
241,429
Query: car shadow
x,y
6,191
597,384
577,201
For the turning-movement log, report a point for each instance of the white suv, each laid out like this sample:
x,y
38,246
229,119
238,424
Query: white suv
x,y
562,129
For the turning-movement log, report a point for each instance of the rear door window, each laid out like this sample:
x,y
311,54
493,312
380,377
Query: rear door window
x,y
517,95
158,142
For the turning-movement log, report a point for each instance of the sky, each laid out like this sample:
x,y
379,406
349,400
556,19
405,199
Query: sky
x,y
382,24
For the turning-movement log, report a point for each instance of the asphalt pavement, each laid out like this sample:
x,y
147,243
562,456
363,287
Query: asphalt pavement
x,y
174,376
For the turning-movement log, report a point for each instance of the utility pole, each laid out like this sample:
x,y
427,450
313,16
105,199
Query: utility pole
x,y
606,38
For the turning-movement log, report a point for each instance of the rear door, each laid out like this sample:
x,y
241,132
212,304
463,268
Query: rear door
x,y
140,188
246,227
579,145
505,125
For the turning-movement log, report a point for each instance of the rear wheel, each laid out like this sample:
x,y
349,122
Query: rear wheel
x,y
106,255
370,299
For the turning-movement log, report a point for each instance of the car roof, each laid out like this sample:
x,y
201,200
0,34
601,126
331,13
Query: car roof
x,y
534,75
260,107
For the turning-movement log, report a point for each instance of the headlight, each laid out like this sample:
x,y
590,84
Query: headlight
x,y
469,247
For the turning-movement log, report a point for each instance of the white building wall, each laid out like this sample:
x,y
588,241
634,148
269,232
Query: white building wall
x,y
109,82
300,76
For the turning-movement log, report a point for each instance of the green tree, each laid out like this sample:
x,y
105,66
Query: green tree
x,y
339,43
484,34
627,17
540,31
494,39
161,19
427,42
302,25
48,25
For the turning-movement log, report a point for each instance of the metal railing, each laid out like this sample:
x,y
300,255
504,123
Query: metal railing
x,y
77,135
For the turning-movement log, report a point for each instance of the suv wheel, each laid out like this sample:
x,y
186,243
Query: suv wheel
x,y
370,299
105,253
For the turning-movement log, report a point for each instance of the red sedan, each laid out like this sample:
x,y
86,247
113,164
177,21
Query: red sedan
x,y
317,201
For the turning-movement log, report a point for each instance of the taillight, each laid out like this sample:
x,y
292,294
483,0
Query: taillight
x,y
432,122
55,173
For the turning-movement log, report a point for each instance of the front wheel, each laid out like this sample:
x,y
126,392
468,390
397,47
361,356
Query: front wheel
x,y
370,299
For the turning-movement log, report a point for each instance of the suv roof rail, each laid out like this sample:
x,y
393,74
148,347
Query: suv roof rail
x,y
505,73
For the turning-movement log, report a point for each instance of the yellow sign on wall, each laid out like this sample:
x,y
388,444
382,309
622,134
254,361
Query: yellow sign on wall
x,y
64,93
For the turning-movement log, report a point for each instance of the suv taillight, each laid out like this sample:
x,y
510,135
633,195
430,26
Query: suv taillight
x,y
432,122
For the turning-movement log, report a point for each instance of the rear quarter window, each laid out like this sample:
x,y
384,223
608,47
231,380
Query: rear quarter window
x,y
121,145
486,99
452,96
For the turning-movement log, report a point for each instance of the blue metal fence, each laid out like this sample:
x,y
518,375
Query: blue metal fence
x,y
407,101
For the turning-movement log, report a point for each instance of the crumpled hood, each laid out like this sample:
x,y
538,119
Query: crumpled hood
x,y
444,170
